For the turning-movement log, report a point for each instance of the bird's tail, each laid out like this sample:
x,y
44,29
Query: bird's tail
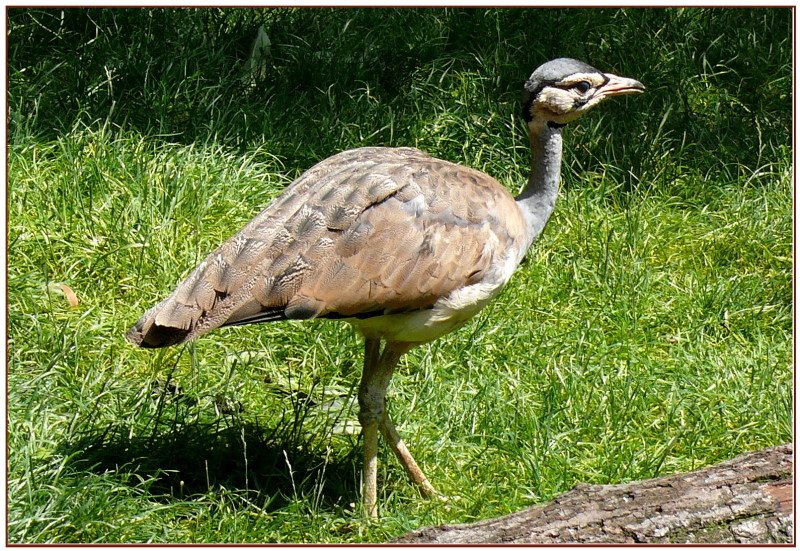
x,y
156,328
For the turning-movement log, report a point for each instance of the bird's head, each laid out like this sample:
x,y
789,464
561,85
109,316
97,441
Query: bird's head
x,y
563,89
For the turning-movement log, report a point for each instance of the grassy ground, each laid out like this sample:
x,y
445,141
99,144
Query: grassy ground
x,y
648,332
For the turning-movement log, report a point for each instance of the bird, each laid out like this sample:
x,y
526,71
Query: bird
x,y
404,246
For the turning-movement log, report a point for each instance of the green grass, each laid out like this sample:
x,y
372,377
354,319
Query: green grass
x,y
648,332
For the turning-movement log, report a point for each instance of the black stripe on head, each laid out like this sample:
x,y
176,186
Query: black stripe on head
x,y
527,101
529,94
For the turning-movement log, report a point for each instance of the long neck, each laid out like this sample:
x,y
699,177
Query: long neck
x,y
538,198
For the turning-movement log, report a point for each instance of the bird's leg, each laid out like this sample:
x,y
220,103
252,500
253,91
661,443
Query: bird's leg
x,y
369,427
378,369
404,456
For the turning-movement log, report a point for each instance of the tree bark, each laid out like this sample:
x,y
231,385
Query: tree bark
x,y
748,499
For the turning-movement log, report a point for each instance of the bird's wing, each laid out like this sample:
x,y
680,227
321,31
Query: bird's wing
x,y
366,232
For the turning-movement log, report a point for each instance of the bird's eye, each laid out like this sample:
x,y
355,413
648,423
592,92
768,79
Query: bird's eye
x,y
582,87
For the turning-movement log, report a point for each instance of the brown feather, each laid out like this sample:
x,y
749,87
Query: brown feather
x,y
367,230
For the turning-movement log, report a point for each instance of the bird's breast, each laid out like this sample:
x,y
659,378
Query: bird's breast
x,y
447,314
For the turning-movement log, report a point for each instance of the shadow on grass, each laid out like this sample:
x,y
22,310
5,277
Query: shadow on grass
x,y
191,460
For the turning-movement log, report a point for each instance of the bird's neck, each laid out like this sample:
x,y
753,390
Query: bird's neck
x,y
538,198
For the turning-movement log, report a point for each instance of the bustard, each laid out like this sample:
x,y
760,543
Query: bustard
x,y
404,246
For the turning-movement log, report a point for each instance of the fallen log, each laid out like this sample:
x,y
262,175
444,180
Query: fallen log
x,y
748,499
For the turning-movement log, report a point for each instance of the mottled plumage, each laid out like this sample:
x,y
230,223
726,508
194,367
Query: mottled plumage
x,y
368,232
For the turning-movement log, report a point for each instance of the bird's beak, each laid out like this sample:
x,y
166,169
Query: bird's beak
x,y
617,86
